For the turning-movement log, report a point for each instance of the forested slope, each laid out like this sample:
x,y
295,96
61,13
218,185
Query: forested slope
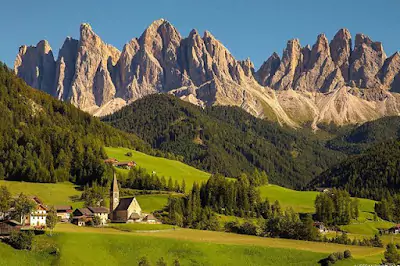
x,y
46,140
372,174
225,140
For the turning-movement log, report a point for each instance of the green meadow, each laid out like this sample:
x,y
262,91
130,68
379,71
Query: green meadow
x,y
152,202
161,166
51,194
108,246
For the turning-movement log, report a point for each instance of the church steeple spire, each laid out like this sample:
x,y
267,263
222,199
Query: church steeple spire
x,y
114,195
114,186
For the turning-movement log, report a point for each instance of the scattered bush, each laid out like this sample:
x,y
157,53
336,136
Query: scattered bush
x,y
129,154
144,261
334,257
347,254
22,239
96,221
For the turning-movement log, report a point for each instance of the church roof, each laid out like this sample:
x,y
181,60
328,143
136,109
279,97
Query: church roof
x,y
124,204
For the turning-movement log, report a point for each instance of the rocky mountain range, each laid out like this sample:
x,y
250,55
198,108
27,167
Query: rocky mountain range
x,y
330,82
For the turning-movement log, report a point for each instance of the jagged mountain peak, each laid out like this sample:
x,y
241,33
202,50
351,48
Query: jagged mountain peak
x,y
328,82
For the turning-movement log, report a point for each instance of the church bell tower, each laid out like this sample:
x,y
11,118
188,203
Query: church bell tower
x,y
114,196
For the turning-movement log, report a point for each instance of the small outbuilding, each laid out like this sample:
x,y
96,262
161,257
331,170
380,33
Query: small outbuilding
x,y
63,212
6,227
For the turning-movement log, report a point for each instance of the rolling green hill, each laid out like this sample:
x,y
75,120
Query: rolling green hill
x,y
161,166
107,246
226,140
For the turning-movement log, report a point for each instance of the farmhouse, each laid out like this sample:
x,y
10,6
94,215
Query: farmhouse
x,y
85,215
395,229
321,227
124,165
37,218
63,212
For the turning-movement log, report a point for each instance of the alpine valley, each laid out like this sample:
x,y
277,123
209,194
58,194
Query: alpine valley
x,y
331,82
173,152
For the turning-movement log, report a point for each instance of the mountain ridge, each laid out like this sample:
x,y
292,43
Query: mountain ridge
x,y
330,82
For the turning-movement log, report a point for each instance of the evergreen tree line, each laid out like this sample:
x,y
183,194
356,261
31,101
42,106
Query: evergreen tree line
x,y
139,178
285,224
389,208
46,140
336,207
239,198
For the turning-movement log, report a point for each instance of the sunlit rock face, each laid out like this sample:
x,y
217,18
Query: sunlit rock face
x,y
328,82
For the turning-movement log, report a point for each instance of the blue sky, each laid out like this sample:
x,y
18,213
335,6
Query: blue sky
x,y
248,28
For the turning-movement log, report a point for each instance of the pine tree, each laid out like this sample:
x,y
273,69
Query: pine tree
x,y
391,254
170,184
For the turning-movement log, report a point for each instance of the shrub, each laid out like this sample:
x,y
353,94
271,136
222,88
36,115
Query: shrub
x,y
144,262
347,254
176,262
22,239
96,220
339,255
332,258
129,154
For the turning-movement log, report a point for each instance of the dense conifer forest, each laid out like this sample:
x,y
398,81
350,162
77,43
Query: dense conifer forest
x,y
226,140
373,174
46,140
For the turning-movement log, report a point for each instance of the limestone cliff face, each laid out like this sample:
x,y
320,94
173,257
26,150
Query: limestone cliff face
x,y
65,68
327,83
91,85
36,65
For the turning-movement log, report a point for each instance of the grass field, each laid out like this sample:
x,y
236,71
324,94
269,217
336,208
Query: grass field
x,y
141,227
153,202
303,201
163,167
107,246
50,194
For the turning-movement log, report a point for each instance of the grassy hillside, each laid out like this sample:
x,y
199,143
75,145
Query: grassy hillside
x,y
225,140
302,201
161,166
107,246
151,203
52,194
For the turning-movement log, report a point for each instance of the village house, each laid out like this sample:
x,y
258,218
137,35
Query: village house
x,y
395,229
63,212
82,216
124,165
321,227
37,218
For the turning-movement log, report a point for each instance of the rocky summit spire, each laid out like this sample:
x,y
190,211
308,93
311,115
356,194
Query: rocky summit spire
x,y
340,48
367,59
313,83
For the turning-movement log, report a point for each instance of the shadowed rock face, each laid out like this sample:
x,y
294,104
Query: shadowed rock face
x,y
328,82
